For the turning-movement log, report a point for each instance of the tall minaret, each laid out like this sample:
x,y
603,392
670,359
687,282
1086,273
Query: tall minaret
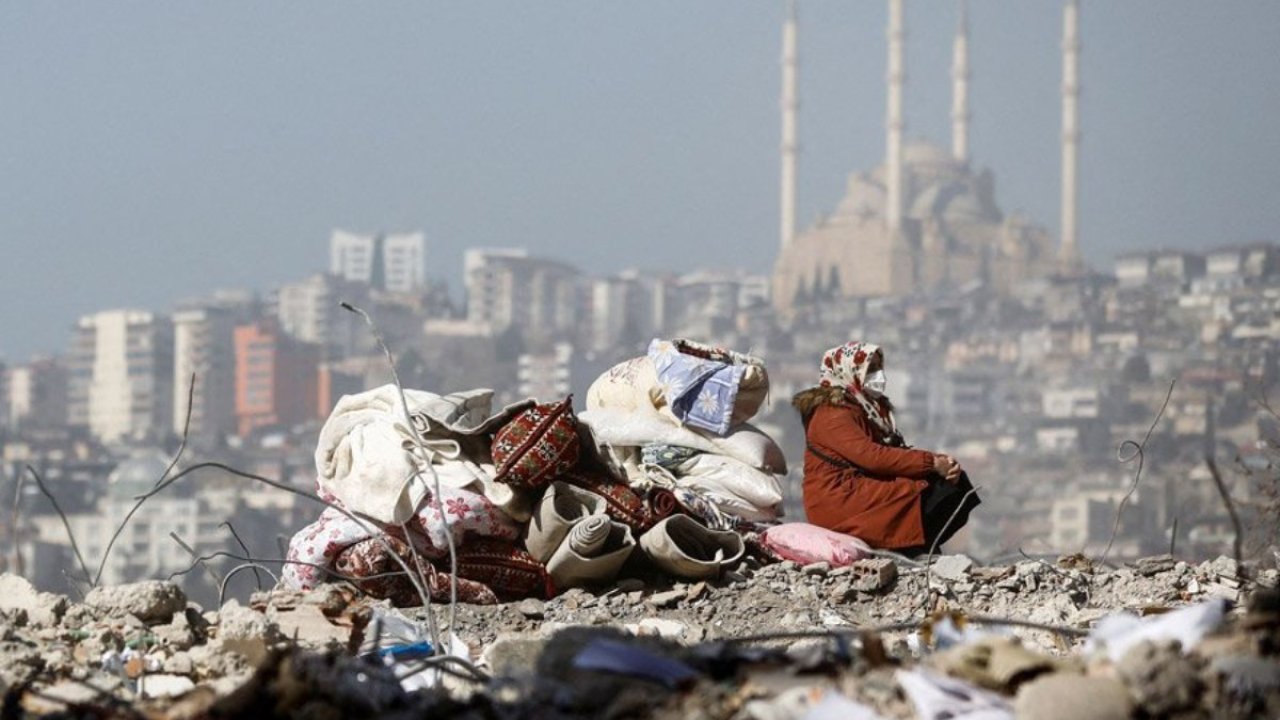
x,y
894,124
790,111
1069,253
960,88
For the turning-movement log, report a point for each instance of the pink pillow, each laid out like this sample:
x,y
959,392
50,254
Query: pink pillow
x,y
804,543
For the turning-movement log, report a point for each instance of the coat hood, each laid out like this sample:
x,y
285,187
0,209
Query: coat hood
x,y
807,401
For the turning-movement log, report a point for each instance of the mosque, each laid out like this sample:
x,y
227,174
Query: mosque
x,y
924,218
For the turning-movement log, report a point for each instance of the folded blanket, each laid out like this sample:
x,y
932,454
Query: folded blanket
x,y
700,391
369,458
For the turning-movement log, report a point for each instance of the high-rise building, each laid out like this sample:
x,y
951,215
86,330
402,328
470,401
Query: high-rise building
x,y
275,378
203,348
121,375
507,288
393,262
310,311
37,395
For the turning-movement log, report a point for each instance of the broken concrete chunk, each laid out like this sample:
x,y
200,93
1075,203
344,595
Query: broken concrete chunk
x,y
1153,565
954,568
513,655
163,686
873,574
531,608
818,569
246,632
1073,697
152,601
42,609
668,598
1161,679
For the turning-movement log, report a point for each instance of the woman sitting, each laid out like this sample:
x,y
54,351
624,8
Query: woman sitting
x,y
860,477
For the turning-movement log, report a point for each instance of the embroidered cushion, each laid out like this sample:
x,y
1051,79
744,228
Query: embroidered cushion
x,y
537,445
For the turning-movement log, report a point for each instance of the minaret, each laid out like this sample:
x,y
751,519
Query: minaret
x,y
790,111
894,123
1069,253
960,88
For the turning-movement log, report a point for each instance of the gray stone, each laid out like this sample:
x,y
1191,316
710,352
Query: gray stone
x,y
245,632
1073,697
1160,678
179,664
818,569
152,601
629,585
163,686
1149,566
667,599
532,608
513,655
954,568
42,609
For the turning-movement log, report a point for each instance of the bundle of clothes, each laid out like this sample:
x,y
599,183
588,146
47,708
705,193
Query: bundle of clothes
x,y
531,499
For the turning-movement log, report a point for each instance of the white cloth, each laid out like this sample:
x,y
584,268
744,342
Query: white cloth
x,y
369,459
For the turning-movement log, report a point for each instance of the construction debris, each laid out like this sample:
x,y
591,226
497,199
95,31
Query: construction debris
x,y
772,641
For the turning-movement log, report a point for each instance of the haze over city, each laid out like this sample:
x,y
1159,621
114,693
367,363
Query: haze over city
x,y
155,151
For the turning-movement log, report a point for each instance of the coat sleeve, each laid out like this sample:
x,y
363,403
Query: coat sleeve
x,y
846,433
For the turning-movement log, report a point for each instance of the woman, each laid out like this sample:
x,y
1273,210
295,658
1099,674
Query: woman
x,y
860,478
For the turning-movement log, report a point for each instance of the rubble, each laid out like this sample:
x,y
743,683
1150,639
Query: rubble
x,y
753,643
153,602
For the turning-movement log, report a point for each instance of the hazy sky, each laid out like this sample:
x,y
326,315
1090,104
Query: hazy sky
x,y
155,150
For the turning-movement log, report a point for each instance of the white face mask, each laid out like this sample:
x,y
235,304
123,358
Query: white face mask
x,y
875,383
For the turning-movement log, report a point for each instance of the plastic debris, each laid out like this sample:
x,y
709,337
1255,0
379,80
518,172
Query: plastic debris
x,y
622,658
1115,634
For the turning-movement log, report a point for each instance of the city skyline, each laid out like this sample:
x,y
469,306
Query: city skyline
x,y
183,182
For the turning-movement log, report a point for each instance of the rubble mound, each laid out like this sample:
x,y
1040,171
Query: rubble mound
x,y
1060,639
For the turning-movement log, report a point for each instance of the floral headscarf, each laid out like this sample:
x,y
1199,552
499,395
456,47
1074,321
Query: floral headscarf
x,y
846,367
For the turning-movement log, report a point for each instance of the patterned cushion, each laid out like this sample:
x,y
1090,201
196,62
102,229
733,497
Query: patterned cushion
x,y
537,445
622,504
509,571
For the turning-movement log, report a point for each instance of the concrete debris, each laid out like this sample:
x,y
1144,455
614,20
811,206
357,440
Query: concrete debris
x,y
954,568
153,602
874,643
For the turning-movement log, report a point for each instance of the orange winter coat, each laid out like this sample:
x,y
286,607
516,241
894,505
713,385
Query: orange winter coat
x,y
853,482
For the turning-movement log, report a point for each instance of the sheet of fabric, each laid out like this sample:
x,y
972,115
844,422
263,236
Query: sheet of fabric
x,y
592,554
385,579
561,507
938,697
618,438
369,458
853,482
734,487
700,392
470,515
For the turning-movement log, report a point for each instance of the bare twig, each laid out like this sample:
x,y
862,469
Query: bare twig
x,y
1236,545
1173,537
173,535
245,548
928,564
1138,451
14,521
437,498
222,589
182,446
364,523
353,581
75,547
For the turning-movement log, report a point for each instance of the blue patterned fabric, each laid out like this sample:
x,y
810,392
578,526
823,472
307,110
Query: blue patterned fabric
x,y
701,392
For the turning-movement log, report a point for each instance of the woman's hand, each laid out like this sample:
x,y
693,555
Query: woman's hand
x,y
947,467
